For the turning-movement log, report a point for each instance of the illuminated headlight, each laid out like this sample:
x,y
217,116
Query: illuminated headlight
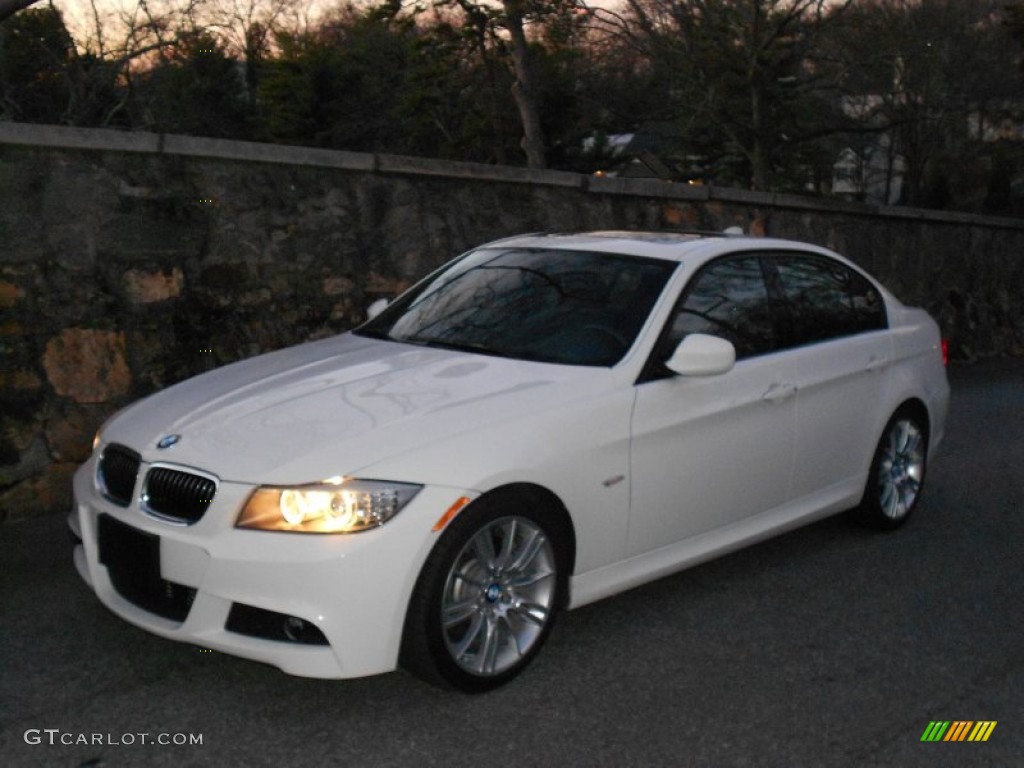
x,y
338,505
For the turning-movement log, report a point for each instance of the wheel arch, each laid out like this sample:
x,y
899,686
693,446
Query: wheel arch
x,y
541,497
916,407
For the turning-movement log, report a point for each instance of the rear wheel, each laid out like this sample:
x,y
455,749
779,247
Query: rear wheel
x,y
487,597
897,472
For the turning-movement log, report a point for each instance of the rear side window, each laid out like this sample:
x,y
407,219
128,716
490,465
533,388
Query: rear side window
x,y
826,299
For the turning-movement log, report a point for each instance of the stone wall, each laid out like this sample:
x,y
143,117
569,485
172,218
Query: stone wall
x,y
129,261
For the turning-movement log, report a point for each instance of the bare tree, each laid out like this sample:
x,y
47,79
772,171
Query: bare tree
x,y
511,19
248,27
936,80
738,68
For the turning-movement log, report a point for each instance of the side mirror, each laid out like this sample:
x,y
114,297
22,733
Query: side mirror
x,y
702,355
376,308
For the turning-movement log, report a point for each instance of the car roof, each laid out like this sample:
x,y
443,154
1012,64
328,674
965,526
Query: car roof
x,y
669,245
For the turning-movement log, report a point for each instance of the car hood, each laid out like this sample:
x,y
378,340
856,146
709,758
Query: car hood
x,y
337,406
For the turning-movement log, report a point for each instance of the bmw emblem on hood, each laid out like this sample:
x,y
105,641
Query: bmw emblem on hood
x,y
168,441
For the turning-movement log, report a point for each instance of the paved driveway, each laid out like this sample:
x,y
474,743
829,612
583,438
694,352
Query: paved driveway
x,y
830,646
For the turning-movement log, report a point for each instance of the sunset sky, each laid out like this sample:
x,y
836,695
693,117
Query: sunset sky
x,y
78,14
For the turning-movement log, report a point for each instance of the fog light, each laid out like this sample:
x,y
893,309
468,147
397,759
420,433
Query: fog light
x,y
270,625
295,629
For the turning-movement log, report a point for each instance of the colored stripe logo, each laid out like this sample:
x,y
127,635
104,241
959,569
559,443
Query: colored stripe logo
x,y
958,730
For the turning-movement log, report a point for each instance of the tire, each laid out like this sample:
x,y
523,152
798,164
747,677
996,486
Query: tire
x,y
488,595
897,474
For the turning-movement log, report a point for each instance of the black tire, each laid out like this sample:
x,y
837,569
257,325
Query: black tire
x,y
488,594
897,474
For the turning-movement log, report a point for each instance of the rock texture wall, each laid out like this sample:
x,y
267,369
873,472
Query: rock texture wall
x,y
131,261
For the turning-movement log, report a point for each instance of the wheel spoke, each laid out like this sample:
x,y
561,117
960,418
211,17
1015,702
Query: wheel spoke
x,y
483,544
503,559
901,435
459,651
912,448
491,646
457,613
528,551
530,578
533,613
908,488
889,500
521,644
465,578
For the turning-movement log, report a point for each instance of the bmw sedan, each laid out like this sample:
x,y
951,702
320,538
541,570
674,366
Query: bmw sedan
x,y
541,423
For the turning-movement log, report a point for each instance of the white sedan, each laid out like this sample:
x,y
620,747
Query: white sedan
x,y
543,422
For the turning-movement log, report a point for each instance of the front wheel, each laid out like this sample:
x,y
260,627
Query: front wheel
x,y
487,597
897,472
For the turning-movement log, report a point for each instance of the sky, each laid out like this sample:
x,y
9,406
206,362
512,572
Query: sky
x,y
78,14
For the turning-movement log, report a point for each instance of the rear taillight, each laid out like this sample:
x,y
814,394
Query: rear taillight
x,y
945,352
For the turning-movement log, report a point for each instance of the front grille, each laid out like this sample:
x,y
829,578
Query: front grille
x,y
132,558
119,467
177,495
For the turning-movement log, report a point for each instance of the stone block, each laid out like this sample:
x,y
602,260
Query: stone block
x,y
47,492
88,365
22,454
148,287
19,389
337,286
10,294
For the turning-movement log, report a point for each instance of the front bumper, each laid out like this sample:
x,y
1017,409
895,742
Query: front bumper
x,y
354,588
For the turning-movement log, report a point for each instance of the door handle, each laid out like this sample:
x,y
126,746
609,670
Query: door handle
x,y
876,363
778,392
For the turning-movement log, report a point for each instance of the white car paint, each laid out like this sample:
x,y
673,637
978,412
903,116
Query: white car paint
x,y
655,476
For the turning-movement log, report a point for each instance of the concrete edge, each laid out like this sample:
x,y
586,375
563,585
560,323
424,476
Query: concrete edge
x,y
104,139
31,135
426,166
192,146
618,185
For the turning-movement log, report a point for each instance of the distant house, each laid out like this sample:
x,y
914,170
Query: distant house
x,y
873,174
644,154
874,171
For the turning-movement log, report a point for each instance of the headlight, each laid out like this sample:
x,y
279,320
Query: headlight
x,y
338,505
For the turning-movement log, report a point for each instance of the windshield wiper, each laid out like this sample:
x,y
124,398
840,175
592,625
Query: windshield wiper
x,y
455,346
372,333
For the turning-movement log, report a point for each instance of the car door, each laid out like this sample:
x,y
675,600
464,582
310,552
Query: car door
x,y
842,366
711,451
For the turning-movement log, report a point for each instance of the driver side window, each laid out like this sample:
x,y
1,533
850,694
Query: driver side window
x,y
728,299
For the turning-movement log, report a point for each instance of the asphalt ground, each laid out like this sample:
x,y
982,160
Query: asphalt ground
x,y
830,646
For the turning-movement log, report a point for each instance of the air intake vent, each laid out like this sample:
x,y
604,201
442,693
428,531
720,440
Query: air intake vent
x,y
177,496
132,558
119,467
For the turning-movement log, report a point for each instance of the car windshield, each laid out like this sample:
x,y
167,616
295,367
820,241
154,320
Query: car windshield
x,y
547,305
